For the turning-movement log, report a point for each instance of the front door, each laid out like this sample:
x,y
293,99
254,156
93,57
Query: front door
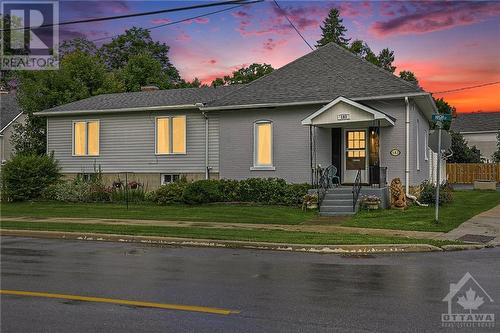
x,y
355,152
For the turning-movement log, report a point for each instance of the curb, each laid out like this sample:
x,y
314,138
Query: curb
x,y
174,241
462,247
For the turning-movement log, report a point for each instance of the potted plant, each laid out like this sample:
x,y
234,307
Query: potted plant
x,y
371,202
310,201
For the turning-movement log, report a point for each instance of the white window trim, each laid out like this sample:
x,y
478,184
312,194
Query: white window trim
x,y
426,145
170,134
418,144
86,137
256,166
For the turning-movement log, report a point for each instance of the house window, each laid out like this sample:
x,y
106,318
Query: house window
x,y
263,144
171,135
86,138
169,178
418,144
426,145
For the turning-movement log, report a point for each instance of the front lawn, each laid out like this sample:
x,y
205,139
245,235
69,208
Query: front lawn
x,y
465,205
273,236
200,213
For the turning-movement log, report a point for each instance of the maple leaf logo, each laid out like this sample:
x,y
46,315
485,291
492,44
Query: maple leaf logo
x,y
470,301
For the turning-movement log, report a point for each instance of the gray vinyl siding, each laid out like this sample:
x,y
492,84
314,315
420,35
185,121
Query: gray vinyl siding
x,y
393,137
291,154
127,143
417,176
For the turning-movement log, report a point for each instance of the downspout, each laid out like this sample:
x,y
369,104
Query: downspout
x,y
407,144
207,175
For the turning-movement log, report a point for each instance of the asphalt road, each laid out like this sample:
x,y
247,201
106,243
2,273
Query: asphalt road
x,y
274,291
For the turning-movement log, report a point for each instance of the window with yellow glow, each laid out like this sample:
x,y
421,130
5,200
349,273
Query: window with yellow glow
x,y
171,135
356,143
263,144
86,138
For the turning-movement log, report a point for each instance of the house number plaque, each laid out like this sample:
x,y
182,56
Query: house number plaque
x,y
395,152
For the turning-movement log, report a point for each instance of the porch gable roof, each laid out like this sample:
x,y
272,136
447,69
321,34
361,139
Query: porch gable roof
x,y
372,114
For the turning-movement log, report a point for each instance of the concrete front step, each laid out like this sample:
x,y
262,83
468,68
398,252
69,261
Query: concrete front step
x,y
340,191
333,196
332,208
336,202
335,213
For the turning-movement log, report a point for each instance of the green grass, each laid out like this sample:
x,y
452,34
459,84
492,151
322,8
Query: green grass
x,y
201,213
273,236
465,205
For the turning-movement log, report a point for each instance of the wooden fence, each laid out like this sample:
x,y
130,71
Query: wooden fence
x,y
467,173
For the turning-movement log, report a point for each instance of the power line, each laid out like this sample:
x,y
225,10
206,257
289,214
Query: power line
x,y
466,88
108,18
186,19
293,25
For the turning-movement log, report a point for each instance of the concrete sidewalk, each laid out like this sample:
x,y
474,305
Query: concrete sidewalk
x,y
320,228
484,224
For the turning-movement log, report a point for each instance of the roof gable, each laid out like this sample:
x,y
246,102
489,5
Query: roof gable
x,y
321,75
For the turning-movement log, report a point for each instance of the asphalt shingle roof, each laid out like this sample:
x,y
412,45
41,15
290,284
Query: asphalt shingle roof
x,y
476,122
169,97
323,74
9,109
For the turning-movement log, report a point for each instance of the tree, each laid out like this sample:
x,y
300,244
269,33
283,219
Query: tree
x,y
385,59
362,50
80,76
142,70
77,44
244,75
333,30
462,153
133,42
496,155
445,108
196,83
408,76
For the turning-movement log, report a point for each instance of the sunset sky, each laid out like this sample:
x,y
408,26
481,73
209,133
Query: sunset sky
x,y
447,45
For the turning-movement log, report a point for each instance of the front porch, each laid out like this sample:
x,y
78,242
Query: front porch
x,y
345,155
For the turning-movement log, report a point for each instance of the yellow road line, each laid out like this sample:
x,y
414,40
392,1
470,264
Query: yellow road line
x,y
191,308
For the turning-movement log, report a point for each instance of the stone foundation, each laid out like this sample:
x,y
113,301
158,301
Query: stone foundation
x,y
151,181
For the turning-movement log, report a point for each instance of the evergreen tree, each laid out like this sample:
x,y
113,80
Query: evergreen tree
x,y
333,30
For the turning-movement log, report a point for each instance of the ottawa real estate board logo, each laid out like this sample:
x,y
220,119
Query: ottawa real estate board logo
x,y
29,35
466,301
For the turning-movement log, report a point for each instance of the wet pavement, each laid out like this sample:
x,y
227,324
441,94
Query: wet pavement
x,y
274,291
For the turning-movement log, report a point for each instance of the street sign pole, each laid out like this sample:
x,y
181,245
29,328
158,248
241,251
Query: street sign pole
x,y
438,174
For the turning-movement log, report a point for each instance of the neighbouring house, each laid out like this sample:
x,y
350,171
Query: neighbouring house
x,y
10,114
479,129
328,107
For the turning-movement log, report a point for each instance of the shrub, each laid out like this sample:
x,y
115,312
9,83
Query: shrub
x,y
201,191
24,177
78,190
428,193
135,192
167,194
295,193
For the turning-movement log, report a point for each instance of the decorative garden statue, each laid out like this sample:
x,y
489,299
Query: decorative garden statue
x,y
398,197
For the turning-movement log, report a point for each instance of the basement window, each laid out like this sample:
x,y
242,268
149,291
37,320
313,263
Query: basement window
x,y
167,178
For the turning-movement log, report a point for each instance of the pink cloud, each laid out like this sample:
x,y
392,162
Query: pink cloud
x,y
183,37
161,21
212,61
427,17
270,44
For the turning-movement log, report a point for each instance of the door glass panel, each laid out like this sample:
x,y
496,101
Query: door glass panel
x,y
356,150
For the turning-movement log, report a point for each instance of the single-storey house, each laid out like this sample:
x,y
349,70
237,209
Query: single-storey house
x,y
328,107
10,114
479,129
